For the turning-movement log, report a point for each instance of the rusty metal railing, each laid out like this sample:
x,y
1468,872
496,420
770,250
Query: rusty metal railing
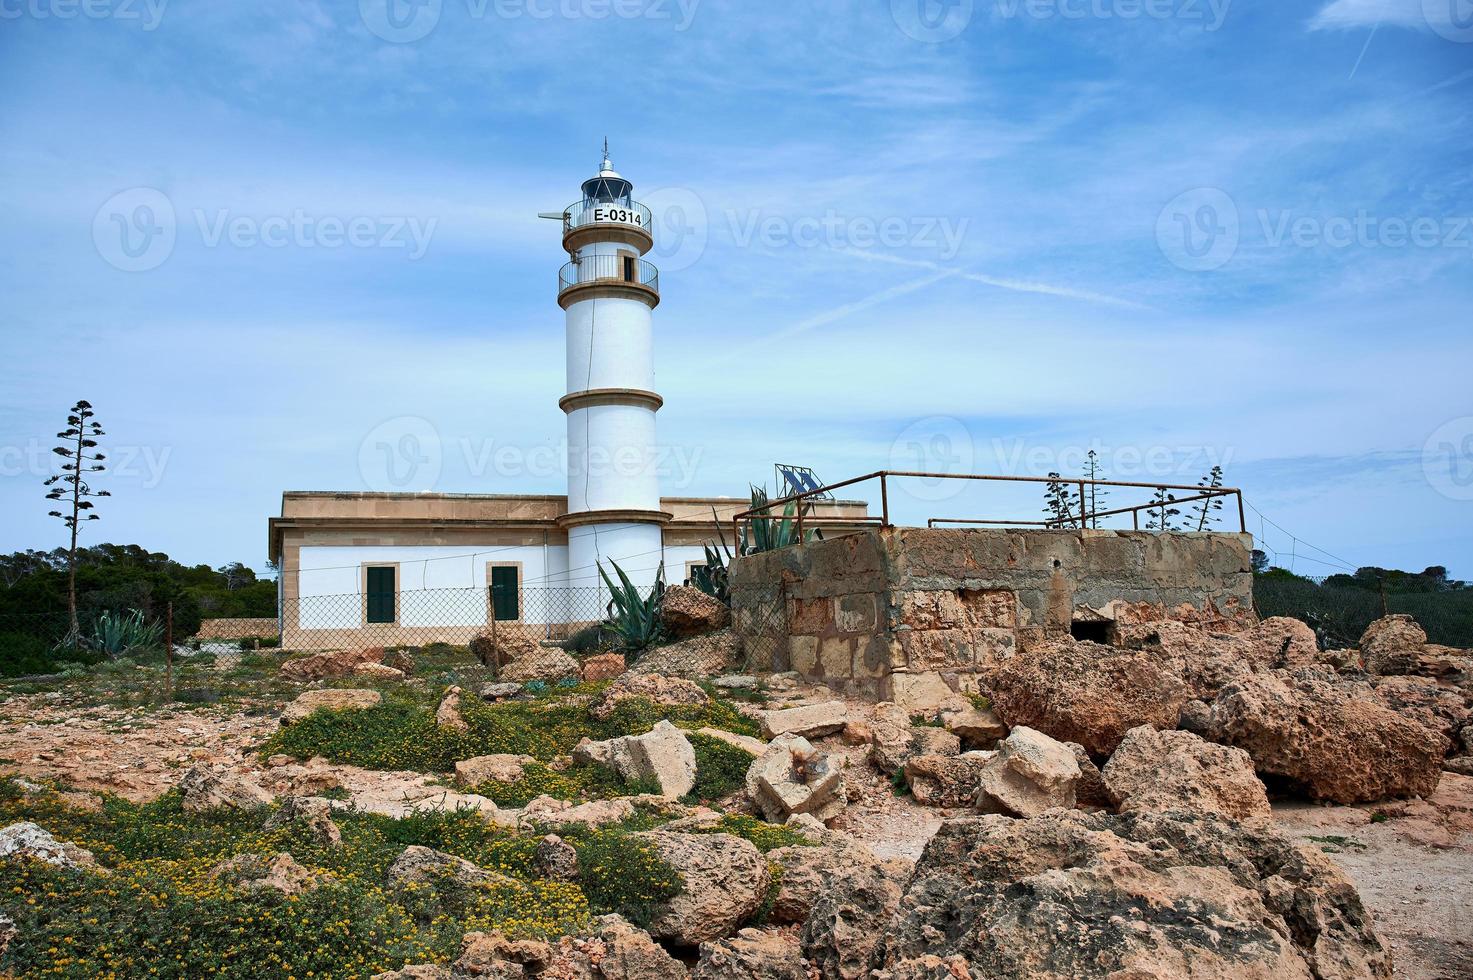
x,y
1081,520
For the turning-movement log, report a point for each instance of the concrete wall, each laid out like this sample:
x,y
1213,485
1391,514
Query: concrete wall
x,y
881,612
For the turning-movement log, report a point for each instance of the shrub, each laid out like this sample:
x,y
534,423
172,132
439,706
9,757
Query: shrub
x,y
721,768
577,784
622,873
764,836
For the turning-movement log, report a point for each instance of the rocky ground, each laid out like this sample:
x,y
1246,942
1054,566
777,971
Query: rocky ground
x,y
1245,805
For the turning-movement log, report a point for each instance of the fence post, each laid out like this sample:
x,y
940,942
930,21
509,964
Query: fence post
x,y
495,663
169,646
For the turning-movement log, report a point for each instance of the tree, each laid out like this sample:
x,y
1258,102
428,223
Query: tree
x,y
71,484
1096,495
1058,502
1162,514
1205,511
1260,561
236,575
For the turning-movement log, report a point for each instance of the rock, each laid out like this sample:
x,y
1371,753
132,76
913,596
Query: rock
x,y
1462,765
603,667
499,767
893,740
1392,645
857,733
8,932
378,672
546,664
699,656
1086,693
419,864
556,859
618,951
976,727
500,690
1424,700
312,812
87,802
1143,895
1029,774
447,715
1090,790
752,954
508,643
1196,717
329,699
735,682
725,878
251,872
809,720
492,955
335,663
663,754
689,612
417,971
792,776
1178,771
546,811
746,743
664,692
1328,738
945,780
919,692
848,920
808,871
205,788
28,840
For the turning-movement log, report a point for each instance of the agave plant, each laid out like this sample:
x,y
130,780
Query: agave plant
x,y
634,619
772,535
117,634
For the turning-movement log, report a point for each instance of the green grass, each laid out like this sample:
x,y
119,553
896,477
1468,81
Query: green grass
x,y
721,768
159,909
764,836
576,784
401,734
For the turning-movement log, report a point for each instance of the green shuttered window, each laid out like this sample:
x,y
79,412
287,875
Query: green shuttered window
x,y
380,595
506,593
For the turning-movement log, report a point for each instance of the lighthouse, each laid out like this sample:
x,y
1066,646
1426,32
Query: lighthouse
x,y
608,292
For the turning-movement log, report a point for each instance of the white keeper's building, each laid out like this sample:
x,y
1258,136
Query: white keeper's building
x,y
419,567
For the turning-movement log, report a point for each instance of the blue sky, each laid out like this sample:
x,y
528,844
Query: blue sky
x,y
287,244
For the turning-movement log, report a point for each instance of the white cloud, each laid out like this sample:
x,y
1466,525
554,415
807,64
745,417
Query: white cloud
x,y
1345,15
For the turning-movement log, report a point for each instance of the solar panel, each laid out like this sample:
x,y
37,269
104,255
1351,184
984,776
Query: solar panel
x,y
798,479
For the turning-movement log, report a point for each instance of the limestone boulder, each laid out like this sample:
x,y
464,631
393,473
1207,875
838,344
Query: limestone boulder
x,y
809,720
205,788
1161,771
977,727
894,740
545,811
1207,656
945,780
752,746
792,777
1143,895
29,840
254,873
1087,693
417,864
1328,738
725,880
498,767
601,667
415,971
687,611
500,690
617,951
752,954
849,919
556,859
329,699
334,663
1090,790
809,870
507,643
447,715
381,673
662,691
1425,700
310,813
546,664
1392,645
698,656
1029,773
663,754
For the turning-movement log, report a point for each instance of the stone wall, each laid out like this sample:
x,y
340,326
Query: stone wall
x,y
890,612
237,629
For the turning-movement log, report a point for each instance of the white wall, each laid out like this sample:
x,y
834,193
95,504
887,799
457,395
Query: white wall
x,y
611,459
616,335
439,585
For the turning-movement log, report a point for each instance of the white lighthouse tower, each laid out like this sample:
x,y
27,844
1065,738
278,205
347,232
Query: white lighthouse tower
x,y
608,292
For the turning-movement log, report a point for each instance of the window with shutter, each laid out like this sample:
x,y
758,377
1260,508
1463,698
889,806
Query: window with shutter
x,y
506,593
380,595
